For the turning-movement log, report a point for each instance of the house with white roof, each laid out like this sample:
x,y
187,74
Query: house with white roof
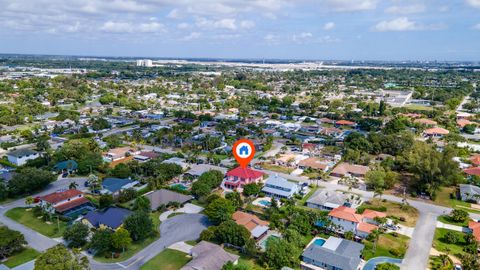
x,y
278,187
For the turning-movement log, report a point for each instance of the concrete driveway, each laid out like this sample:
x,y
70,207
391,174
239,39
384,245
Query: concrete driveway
x,y
176,229
188,208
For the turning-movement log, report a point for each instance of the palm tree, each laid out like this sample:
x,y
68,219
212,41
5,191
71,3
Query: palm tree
x,y
73,185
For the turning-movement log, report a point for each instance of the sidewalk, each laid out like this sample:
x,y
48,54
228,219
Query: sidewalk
x,y
452,227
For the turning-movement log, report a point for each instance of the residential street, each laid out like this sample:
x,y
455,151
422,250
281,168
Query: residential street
x,y
189,226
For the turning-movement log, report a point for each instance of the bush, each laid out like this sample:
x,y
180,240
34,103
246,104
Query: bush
x,y
127,195
451,238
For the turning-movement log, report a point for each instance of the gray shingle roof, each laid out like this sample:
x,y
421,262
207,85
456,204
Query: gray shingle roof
x,y
208,256
22,152
346,256
164,196
321,197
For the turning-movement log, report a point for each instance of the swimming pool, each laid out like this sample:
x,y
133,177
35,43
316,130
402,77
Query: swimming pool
x,y
372,263
179,186
263,243
264,202
319,242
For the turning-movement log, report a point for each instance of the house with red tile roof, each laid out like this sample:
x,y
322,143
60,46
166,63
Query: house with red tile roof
x,y
257,227
463,122
436,132
345,123
472,171
344,168
474,227
347,220
239,177
425,121
475,159
65,202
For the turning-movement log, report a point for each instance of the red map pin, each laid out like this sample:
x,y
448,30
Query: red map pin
x,y
243,151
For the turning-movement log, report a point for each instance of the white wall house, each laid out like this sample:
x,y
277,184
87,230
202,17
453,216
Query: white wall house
x,y
21,156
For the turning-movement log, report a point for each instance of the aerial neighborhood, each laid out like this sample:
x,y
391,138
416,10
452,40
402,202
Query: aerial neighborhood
x,y
124,165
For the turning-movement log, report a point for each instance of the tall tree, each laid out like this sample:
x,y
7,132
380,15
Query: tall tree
x,y
76,235
121,239
220,210
139,224
60,258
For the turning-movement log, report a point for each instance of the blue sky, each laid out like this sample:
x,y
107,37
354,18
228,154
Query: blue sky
x,y
282,29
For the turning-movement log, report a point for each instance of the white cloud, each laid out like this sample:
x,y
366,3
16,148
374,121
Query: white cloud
x,y
271,39
351,5
207,24
127,27
183,25
302,37
404,24
477,26
329,26
474,3
247,24
174,14
193,35
415,8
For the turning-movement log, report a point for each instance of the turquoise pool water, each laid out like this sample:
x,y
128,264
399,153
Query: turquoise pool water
x,y
372,263
264,202
319,242
263,243
179,186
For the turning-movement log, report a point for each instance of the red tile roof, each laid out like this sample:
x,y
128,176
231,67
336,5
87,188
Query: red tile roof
x,y
56,197
249,221
475,227
71,204
463,122
425,121
345,122
344,168
346,213
472,171
373,214
244,173
475,160
366,227
435,131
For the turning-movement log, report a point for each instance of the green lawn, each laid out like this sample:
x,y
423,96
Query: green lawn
x,y
134,247
408,213
448,220
168,259
440,244
388,245
192,242
443,198
27,218
21,257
